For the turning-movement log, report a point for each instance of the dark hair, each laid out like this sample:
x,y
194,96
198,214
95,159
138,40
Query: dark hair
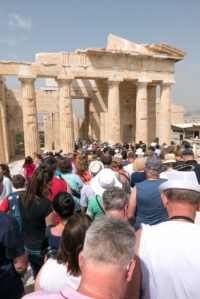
x,y
137,146
171,149
106,159
187,145
18,181
28,162
64,205
126,146
64,165
50,163
178,153
5,168
72,241
183,196
152,149
157,146
37,184
99,154
39,157
124,155
105,150
112,153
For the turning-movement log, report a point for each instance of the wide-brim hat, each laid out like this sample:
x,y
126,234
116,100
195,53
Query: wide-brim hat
x,y
104,180
95,167
169,158
185,180
139,152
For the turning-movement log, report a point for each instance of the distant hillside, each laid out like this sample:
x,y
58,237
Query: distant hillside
x,y
190,113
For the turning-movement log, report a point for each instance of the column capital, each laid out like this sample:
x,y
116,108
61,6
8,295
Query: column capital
x,y
28,78
142,82
167,83
117,80
63,77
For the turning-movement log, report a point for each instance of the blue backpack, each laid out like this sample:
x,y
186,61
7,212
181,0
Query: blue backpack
x,y
16,213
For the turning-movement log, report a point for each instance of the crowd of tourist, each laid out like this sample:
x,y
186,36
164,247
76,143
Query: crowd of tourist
x,y
106,221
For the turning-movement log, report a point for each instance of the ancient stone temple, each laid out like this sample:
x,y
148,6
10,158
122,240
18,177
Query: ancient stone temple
x,y
118,85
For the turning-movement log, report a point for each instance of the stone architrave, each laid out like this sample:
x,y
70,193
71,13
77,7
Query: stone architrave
x,y
30,122
165,113
66,114
141,112
86,108
113,110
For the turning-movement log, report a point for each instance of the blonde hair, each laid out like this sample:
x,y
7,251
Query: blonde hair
x,y
116,162
81,165
148,153
139,163
90,157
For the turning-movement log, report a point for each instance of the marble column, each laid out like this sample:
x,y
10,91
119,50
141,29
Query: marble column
x,y
2,148
66,115
30,122
102,127
113,111
141,112
48,132
86,108
82,128
90,121
76,129
151,95
165,113
3,118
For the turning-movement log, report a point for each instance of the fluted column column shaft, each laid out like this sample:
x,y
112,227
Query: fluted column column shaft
x,y
141,113
165,114
76,128
86,108
2,120
30,122
90,122
113,111
66,115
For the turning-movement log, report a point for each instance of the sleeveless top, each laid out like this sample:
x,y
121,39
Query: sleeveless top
x,y
52,240
170,260
126,175
150,208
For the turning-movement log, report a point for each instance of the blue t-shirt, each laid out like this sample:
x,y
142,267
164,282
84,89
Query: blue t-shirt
x,y
52,240
150,208
11,247
137,177
75,183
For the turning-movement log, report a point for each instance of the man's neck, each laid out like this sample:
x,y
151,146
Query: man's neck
x,y
152,178
131,161
185,210
107,166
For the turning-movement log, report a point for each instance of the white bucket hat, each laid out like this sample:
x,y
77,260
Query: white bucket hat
x,y
95,167
139,152
185,180
103,180
153,144
169,158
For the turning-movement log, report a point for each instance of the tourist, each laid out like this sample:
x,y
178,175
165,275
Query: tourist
x,y
98,154
117,166
167,255
57,185
7,181
179,158
105,272
82,168
10,202
115,202
168,162
65,270
64,207
124,158
102,181
70,156
145,205
139,174
139,152
107,160
171,149
90,159
13,259
1,185
74,181
35,155
87,192
188,157
29,168
131,158
148,153
36,214
157,150
40,159
45,154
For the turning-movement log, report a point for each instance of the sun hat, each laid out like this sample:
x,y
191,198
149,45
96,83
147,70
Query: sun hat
x,y
185,180
169,158
116,151
45,152
139,152
188,152
184,167
103,180
153,144
153,163
95,167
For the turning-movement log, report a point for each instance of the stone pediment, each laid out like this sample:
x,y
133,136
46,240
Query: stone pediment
x,y
116,43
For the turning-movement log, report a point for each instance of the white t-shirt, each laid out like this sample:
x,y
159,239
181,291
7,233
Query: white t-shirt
x,y
129,168
165,175
170,260
54,276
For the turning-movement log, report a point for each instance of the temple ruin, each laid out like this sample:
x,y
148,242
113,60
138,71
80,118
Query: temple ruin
x,y
118,85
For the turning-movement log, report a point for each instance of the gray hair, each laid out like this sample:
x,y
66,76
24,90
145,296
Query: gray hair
x,y
114,199
131,155
155,172
70,155
110,240
118,155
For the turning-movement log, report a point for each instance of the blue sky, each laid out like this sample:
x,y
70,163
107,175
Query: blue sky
x,y
30,27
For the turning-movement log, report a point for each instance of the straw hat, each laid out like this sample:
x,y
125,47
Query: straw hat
x,y
139,152
186,180
103,180
95,167
169,158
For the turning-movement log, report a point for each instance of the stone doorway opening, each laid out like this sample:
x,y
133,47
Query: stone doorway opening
x,y
19,143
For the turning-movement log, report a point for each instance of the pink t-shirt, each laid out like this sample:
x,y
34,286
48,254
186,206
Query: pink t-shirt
x,y
65,293
30,170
